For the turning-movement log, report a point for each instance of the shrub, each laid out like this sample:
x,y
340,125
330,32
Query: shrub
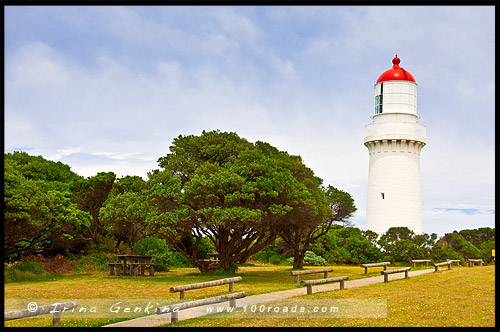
x,y
59,265
271,254
310,259
95,258
347,245
30,269
162,255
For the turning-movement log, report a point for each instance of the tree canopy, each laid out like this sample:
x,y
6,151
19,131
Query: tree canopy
x,y
306,223
236,193
39,215
123,214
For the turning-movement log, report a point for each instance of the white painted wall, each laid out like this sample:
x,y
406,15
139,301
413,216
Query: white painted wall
x,y
398,96
394,141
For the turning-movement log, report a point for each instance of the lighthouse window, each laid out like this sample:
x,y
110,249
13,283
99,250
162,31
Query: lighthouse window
x,y
383,195
378,104
378,100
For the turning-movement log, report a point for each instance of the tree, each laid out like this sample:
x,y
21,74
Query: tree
x,y
347,245
401,244
90,195
478,236
308,223
222,187
459,245
123,214
468,243
39,216
370,236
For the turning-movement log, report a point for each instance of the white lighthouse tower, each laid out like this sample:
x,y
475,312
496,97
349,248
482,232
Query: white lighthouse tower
x,y
394,141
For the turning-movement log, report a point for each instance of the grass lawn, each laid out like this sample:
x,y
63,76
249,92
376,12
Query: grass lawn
x,y
99,286
462,297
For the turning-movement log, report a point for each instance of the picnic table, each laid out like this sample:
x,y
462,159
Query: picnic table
x,y
134,259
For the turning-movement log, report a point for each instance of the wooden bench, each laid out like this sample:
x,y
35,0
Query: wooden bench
x,y
134,269
366,266
57,309
209,260
387,272
310,283
296,274
471,262
437,265
225,281
454,261
415,261
114,269
175,308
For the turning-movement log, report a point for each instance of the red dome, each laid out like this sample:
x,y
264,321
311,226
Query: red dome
x,y
396,73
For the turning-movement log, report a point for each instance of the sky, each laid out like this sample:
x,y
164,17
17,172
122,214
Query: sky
x,y
108,89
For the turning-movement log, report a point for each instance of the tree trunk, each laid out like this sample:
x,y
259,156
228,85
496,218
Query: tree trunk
x,y
298,260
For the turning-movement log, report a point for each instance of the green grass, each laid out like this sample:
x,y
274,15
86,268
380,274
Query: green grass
x,y
462,297
98,285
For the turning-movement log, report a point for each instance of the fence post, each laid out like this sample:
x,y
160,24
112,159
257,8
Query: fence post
x,y
175,317
57,318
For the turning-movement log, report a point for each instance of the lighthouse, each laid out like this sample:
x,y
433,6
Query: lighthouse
x,y
394,140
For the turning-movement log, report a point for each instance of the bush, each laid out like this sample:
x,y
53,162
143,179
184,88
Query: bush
x,y
95,258
442,251
271,254
347,245
30,269
162,255
310,259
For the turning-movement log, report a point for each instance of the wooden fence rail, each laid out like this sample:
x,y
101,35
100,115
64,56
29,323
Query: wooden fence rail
x,y
225,281
437,265
415,261
57,309
296,274
471,262
367,265
175,308
387,272
310,283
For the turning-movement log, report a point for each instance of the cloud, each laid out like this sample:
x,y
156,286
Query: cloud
x,y
108,88
441,221
466,211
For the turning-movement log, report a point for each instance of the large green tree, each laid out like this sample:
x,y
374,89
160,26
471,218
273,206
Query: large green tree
x,y
307,223
39,216
221,187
